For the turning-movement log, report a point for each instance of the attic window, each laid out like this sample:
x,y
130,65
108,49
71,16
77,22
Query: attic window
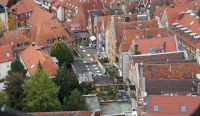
x,y
7,55
27,43
64,38
137,37
93,4
53,39
18,45
59,39
156,108
152,48
49,41
183,109
158,35
160,13
32,66
23,44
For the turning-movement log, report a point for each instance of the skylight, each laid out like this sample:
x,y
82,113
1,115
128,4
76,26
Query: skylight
x,y
158,35
7,55
160,13
152,48
32,66
137,37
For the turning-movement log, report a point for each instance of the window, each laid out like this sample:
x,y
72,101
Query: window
x,y
7,66
137,37
120,64
188,46
179,41
183,43
53,39
59,39
160,13
192,49
183,109
18,45
158,35
27,43
29,14
185,35
7,55
156,108
26,14
64,38
23,44
48,41
192,57
152,48
140,26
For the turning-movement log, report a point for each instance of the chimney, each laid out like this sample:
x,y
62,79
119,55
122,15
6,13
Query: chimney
x,y
28,32
172,6
198,89
33,43
164,46
147,33
136,49
156,51
116,12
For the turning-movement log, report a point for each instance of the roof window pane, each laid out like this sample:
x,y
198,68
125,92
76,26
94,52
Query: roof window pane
x,y
158,35
156,108
7,55
152,48
23,44
137,37
183,109
54,40
27,43
18,45
64,38
59,39
48,41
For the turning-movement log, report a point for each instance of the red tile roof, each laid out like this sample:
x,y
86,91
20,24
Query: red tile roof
x,y
171,105
71,4
74,23
120,27
173,12
91,5
5,2
107,3
99,23
144,44
31,57
39,15
6,49
160,10
24,6
185,21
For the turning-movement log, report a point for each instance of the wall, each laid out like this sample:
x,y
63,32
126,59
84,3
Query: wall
x,y
125,66
2,16
4,68
59,14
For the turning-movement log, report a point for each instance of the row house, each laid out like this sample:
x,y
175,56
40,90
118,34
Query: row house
x,y
93,14
77,31
39,15
186,28
6,59
44,34
23,10
122,5
34,54
130,45
135,71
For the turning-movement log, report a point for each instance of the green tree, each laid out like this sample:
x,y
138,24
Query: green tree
x,y
62,80
62,52
76,101
17,66
74,83
4,99
39,65
14,90
41,93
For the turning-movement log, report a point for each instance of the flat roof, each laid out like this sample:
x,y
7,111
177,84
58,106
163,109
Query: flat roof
x,y
92,103
115,108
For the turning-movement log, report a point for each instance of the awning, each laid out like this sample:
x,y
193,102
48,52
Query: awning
x,y
132,87
92,38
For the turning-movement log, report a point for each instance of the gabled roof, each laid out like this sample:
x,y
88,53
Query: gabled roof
x,y
31,56
145,44
39,15
175,86
91,5
171,105
142,33
195,27
24,6
160,10
171,70
173,12
120,27
5,2
6,52
74,23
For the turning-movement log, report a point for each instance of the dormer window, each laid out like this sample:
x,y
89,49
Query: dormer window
x,y
54,40
27,43
137,37
18,45
64,38
49,41
59,39
158,35
23,44
7,55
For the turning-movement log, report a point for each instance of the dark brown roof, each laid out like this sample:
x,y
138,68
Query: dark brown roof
x,y
171,105
175,86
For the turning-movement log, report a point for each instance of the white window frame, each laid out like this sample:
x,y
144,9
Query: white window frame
x,y
188,46
179,41
193,49
183,43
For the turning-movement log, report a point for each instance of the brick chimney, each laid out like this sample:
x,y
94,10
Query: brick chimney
x,y
136,49
164,46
